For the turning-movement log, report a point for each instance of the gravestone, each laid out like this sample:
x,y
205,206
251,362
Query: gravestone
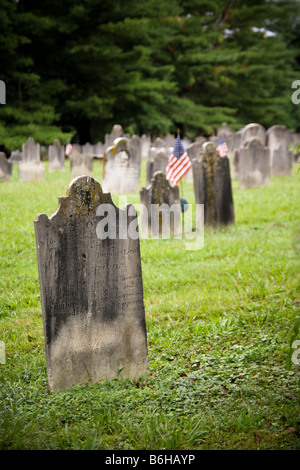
x,y
253,131
146,144
5,168
99,150
15,157
91,289
56,157
80,164
253,164
158,162
87,149
116,132
279,139
122,167
212,186
160,208
193,150
31,168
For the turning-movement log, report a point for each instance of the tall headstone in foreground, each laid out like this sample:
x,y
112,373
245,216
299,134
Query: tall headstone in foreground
x,y
253,164
212,186
56,157
5,168
160,208
91,289
80,164
279,139
31,168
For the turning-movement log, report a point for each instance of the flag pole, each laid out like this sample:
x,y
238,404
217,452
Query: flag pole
x,y
181,183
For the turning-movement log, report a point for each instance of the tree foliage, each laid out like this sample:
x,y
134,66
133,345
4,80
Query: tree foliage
x,y
75,68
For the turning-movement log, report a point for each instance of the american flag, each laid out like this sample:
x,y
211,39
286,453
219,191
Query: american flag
x,y
68,148
222,147
179,163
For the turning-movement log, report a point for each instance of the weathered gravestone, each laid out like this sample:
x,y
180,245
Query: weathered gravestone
x,y
158,162
56,157
253,131
5,168
80,164
87,149
212,186
279,139
91,289
252,164
116,132
31,168
194,151
160,208
122,167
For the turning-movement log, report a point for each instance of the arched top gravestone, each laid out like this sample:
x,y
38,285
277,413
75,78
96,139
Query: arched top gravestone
x,y
91,289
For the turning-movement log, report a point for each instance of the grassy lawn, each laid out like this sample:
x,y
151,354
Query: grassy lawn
x,y
218,319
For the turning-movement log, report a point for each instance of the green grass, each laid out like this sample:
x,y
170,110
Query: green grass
x,y
218,323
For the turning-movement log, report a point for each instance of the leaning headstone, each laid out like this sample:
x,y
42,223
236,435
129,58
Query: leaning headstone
x,y
31,168
253,165
80,164
158,162
279,139
122,168
56,157
5,168
212,186
91,289
160,208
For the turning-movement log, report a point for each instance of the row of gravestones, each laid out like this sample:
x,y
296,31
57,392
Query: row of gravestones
x,y
253,163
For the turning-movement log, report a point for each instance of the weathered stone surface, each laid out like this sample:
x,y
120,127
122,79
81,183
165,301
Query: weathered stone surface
x,y
158,162
194,151
160,208
253,131
279,139
80,164
116,132
56,157
122,167
212,186
91,289
31,168
5,168
253,164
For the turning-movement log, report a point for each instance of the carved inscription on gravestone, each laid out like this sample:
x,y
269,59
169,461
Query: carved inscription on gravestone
x,y
91,290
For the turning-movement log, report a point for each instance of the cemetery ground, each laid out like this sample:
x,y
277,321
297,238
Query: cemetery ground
x,y
218,320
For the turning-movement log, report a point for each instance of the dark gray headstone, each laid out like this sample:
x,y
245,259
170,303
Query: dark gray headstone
x,y
91,289
5,168
212,186
160,208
